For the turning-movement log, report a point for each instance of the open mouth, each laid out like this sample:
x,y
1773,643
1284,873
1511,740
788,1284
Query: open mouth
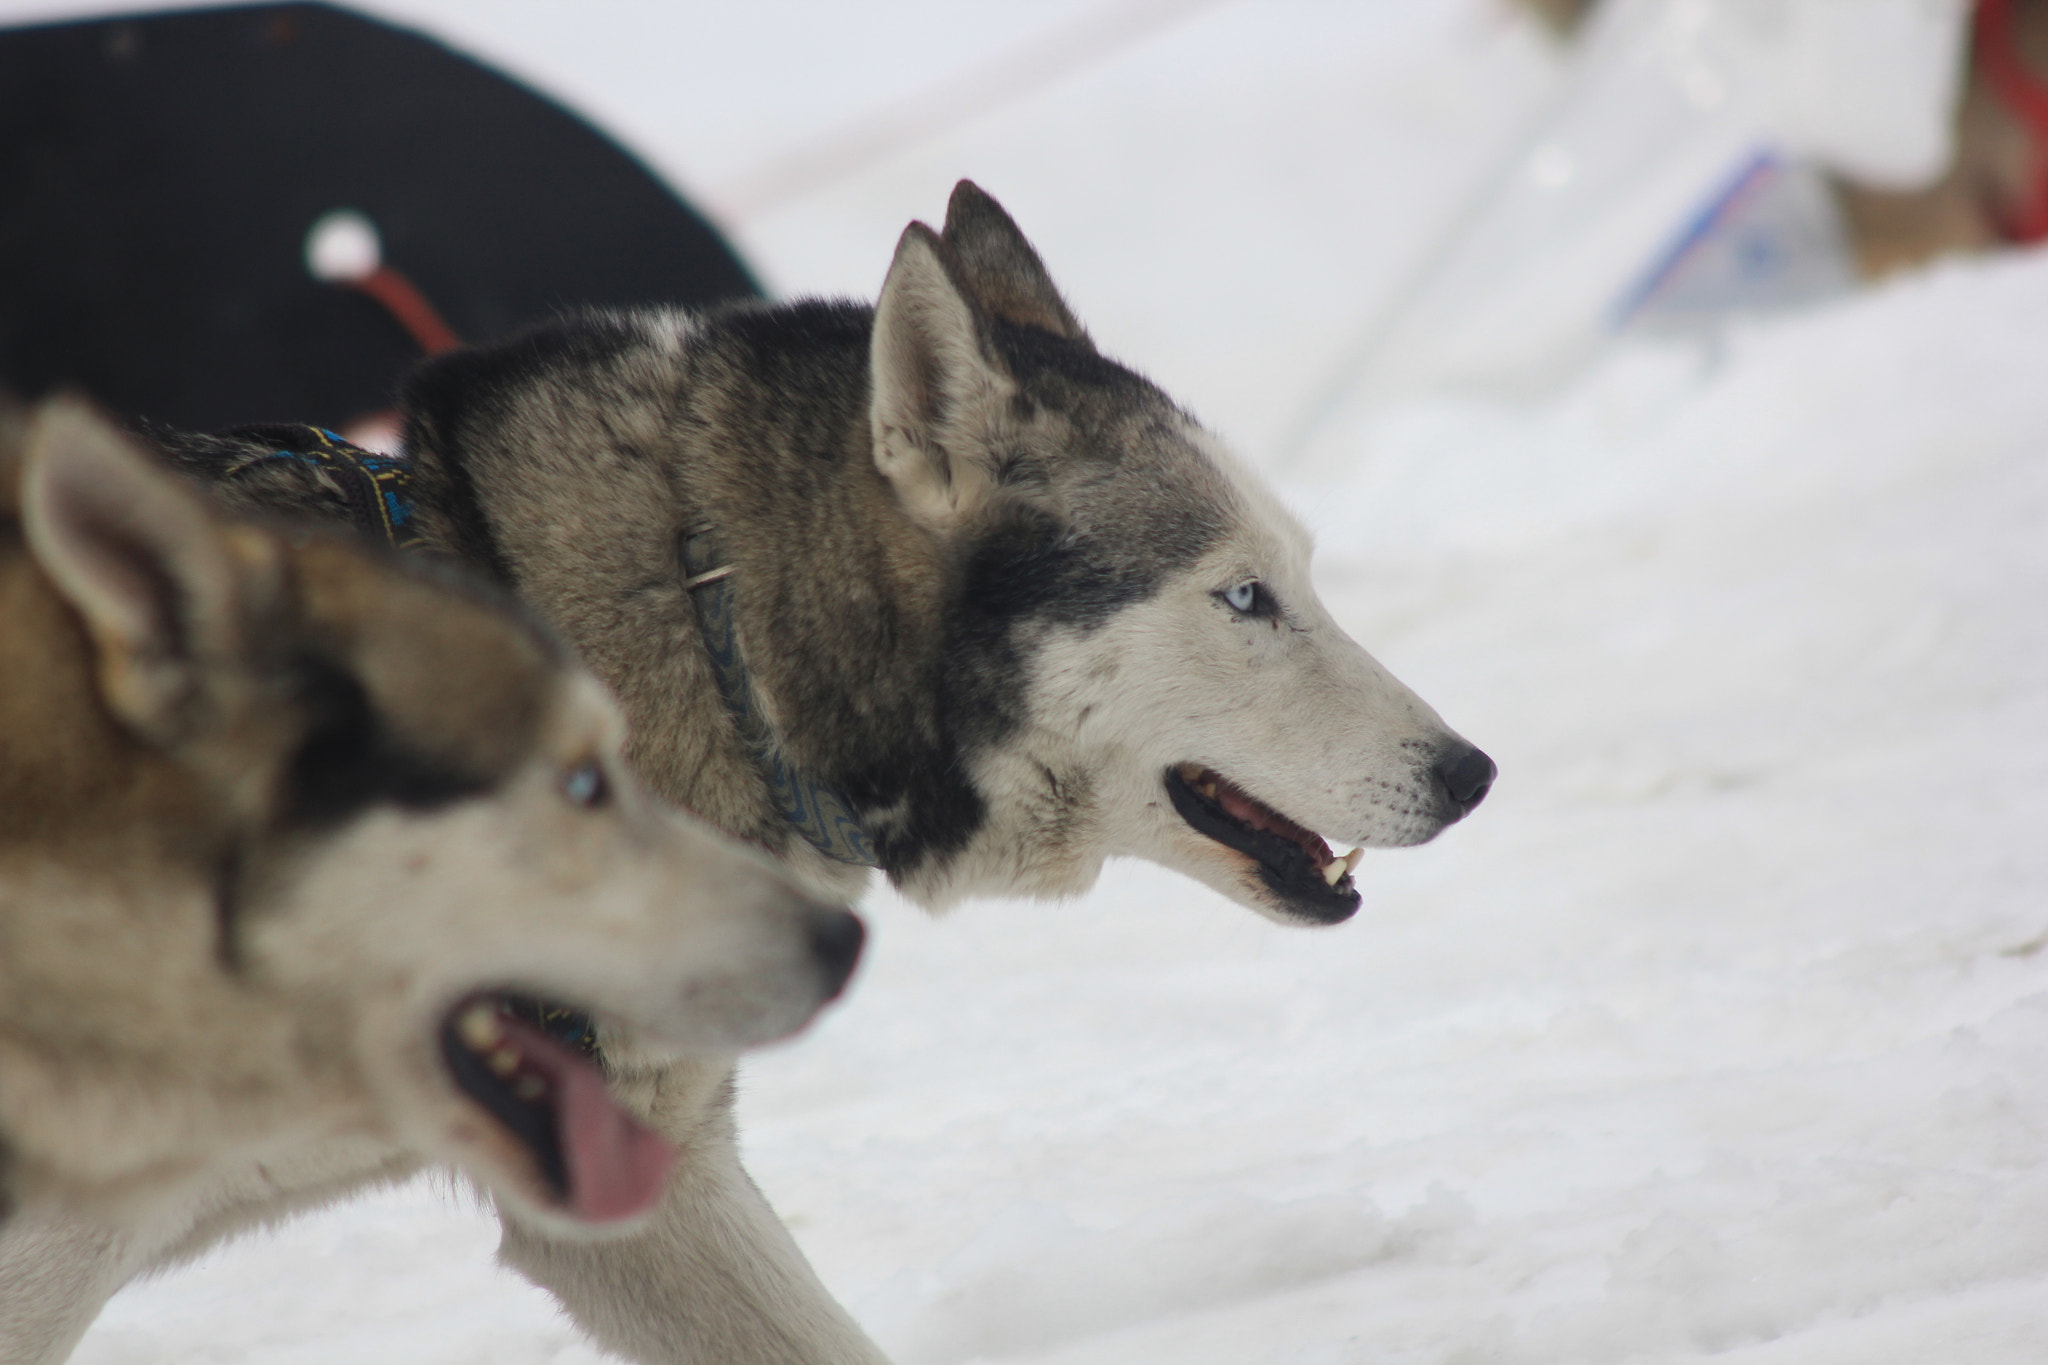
x,y
1294,862
595,1161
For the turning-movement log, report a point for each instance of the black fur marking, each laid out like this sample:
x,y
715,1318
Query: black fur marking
x,y
1029,565
465,514
444,391
1034,356
945,810
350,761
1284,867
1037,559
433,416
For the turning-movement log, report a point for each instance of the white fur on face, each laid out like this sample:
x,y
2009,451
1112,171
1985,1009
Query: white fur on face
x,y
1292,710
685,939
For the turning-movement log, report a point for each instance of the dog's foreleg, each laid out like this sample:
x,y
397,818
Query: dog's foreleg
x,y
57,1270
713,1278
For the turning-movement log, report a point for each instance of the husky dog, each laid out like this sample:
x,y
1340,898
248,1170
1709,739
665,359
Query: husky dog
x,y
280,821
932,586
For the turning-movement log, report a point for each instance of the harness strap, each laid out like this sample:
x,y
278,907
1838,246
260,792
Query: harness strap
x,y
820,814
376,488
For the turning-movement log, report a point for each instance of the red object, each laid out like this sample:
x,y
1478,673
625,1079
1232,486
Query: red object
x,y
1998,61
410,307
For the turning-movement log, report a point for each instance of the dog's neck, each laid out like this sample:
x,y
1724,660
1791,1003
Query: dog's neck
x,y
821,815
838,606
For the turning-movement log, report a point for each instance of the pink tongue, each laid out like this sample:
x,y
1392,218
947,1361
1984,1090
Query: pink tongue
x,y
1258,817
616,1167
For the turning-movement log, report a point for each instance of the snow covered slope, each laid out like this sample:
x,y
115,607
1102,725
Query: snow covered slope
x,y
1721,1030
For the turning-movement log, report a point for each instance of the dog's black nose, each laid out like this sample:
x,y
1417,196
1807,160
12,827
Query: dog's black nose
x,y
1467,775
836,939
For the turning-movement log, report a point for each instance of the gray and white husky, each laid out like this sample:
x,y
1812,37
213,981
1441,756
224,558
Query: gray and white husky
x,y
933,586
281,822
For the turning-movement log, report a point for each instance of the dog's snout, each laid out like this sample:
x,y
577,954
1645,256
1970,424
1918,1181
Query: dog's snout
x,y
836,939
1466,775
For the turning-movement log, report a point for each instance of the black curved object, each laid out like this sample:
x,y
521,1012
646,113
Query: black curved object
x,y
158,174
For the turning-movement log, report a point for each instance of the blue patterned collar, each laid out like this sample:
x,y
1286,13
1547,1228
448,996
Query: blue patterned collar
x,y
820,814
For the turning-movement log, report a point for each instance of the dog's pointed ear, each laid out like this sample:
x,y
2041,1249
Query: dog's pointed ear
x,y
938,397
162,584
1004,274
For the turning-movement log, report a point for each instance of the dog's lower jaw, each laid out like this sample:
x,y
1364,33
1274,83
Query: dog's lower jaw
x,y
1012,866
1286,868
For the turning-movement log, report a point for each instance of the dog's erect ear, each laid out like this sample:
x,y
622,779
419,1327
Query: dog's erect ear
x,y
938,398
162,584
999,267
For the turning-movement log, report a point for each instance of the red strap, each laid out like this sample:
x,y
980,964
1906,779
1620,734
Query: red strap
x,y
410,307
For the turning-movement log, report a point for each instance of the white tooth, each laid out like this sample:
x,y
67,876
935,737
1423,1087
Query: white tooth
x,y
504,1061
529,1087
478,1027
1351,858
1333,871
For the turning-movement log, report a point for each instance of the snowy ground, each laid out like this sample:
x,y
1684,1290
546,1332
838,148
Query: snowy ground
x,y
1722,1030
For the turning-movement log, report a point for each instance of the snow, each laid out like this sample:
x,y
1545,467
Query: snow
x,y
1721,1030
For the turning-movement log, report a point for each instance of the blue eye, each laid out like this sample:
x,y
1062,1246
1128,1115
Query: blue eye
x,y
585,785
1242,598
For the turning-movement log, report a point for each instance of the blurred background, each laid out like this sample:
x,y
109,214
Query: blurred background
x,y
1663,380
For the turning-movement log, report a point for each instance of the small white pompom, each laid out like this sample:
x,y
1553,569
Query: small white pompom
x,y
342,247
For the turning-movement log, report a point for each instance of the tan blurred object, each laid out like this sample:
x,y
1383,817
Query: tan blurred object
x,y
1892,230
1994,190
1561,17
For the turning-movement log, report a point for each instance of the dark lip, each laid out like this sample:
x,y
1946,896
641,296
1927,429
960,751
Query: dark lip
x,y
1285,867
533,1123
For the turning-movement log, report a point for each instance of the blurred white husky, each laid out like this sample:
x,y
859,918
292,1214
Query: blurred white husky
x,y
282,822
